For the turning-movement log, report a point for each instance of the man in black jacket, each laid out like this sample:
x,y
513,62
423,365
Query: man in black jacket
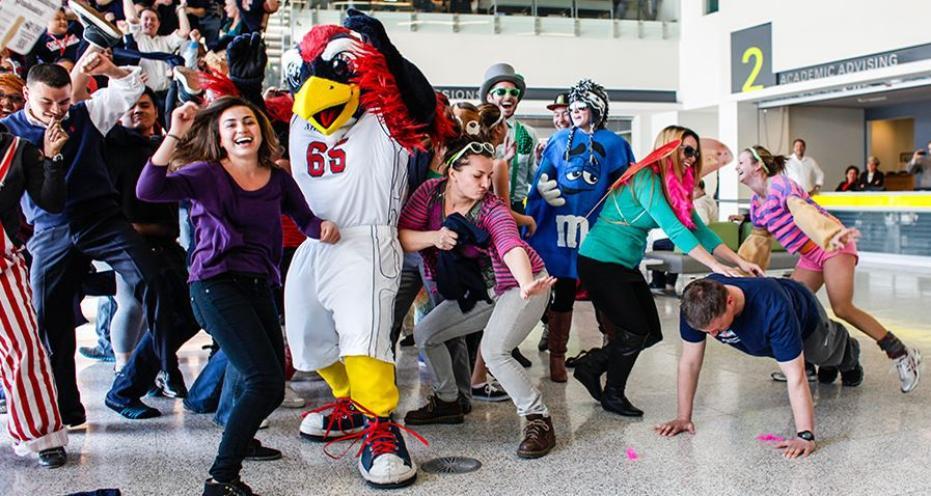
x,y
128,146
872,179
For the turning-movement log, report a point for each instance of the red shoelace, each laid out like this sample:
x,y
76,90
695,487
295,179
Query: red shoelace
x,y
378,434
340,417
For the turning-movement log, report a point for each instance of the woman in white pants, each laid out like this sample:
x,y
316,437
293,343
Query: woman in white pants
x,y
443,215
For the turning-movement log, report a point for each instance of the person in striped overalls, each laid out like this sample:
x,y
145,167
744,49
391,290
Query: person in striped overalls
x,y
34,423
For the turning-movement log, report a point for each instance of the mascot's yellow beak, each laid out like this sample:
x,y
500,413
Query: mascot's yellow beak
x,y
326,104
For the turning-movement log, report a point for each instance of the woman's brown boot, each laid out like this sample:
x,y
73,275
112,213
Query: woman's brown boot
x,y
559,324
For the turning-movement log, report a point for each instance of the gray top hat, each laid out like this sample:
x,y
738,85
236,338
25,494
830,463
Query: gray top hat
x,y
501,72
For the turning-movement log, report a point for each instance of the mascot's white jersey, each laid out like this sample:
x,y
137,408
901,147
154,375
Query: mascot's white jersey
x,y
357,177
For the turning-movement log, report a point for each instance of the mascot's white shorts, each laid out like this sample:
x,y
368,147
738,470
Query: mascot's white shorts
x,y
339,299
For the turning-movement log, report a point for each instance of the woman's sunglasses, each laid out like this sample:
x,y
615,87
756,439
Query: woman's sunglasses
x,y
514,92
691,152
475,147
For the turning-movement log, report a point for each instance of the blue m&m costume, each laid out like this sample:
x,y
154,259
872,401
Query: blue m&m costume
x,y
583,173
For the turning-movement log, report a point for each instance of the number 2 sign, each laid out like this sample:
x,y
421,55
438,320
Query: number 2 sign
x,y
751,59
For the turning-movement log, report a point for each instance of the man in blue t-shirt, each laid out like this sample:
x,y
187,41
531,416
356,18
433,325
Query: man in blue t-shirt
x,y
776,318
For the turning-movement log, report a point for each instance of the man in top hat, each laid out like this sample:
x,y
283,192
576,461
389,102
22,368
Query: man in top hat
x,y
505,88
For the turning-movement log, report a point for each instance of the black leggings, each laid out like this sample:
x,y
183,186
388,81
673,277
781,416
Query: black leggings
x,y
563,297
623,296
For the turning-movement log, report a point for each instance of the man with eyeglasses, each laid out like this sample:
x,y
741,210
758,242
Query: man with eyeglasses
x,y
11,94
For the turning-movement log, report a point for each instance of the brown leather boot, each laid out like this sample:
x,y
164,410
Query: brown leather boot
x,y
559,324
539,437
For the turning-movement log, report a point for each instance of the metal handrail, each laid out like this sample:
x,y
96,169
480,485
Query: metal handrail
x,y
643,9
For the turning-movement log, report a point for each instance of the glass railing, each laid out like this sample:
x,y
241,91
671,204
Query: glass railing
x,y
638,10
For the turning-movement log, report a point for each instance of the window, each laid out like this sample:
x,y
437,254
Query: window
x,y
711,6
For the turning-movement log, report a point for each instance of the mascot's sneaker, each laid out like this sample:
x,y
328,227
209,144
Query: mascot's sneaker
x,y
97,29
384,461
331,421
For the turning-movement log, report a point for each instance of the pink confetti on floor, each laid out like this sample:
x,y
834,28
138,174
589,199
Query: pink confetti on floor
x,y
768,438
632,454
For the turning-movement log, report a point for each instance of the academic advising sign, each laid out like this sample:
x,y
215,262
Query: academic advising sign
x,y
856,64
751,61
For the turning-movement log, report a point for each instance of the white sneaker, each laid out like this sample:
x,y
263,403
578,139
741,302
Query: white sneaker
x,y
909,369
385,462
331,421
291,398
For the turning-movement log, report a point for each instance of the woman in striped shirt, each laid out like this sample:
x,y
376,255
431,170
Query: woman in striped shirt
x,y
828,255
463,200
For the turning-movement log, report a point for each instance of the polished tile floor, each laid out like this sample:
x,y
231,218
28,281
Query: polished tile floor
x,y
873,439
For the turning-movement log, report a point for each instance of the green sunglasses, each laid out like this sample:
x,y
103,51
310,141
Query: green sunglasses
x,y
506,91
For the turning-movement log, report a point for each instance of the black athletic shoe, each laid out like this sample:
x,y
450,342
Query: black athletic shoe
x,y
853,377
98,30
436,411
490,391
135,410
259,453
52,457
235,488
827,375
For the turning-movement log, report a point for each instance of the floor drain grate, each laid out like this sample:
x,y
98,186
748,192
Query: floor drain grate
x,y
452,465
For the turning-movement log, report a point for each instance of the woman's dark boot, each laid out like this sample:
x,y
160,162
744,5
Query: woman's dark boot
x,y
613,398
588,370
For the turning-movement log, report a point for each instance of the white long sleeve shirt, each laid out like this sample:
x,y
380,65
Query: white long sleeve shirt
x,y
805,172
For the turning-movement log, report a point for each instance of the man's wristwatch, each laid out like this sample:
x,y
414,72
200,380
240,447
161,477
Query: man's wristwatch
x,y
806,435
58,157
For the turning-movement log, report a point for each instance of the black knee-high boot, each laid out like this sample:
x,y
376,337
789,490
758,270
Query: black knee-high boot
x,y
613,398
589,368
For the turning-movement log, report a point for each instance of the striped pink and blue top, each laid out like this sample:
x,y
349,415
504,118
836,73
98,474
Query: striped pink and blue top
x,y
772,214
424,212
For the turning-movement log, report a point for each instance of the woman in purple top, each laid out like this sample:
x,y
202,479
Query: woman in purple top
x,y
517,274
226,152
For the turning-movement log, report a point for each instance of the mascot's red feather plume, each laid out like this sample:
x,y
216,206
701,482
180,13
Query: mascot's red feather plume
x,y
379,90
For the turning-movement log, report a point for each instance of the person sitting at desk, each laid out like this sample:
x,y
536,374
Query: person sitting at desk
x,y
872,179
851,180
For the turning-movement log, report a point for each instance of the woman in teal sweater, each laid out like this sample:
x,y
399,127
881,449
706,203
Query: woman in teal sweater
x,y
659,196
